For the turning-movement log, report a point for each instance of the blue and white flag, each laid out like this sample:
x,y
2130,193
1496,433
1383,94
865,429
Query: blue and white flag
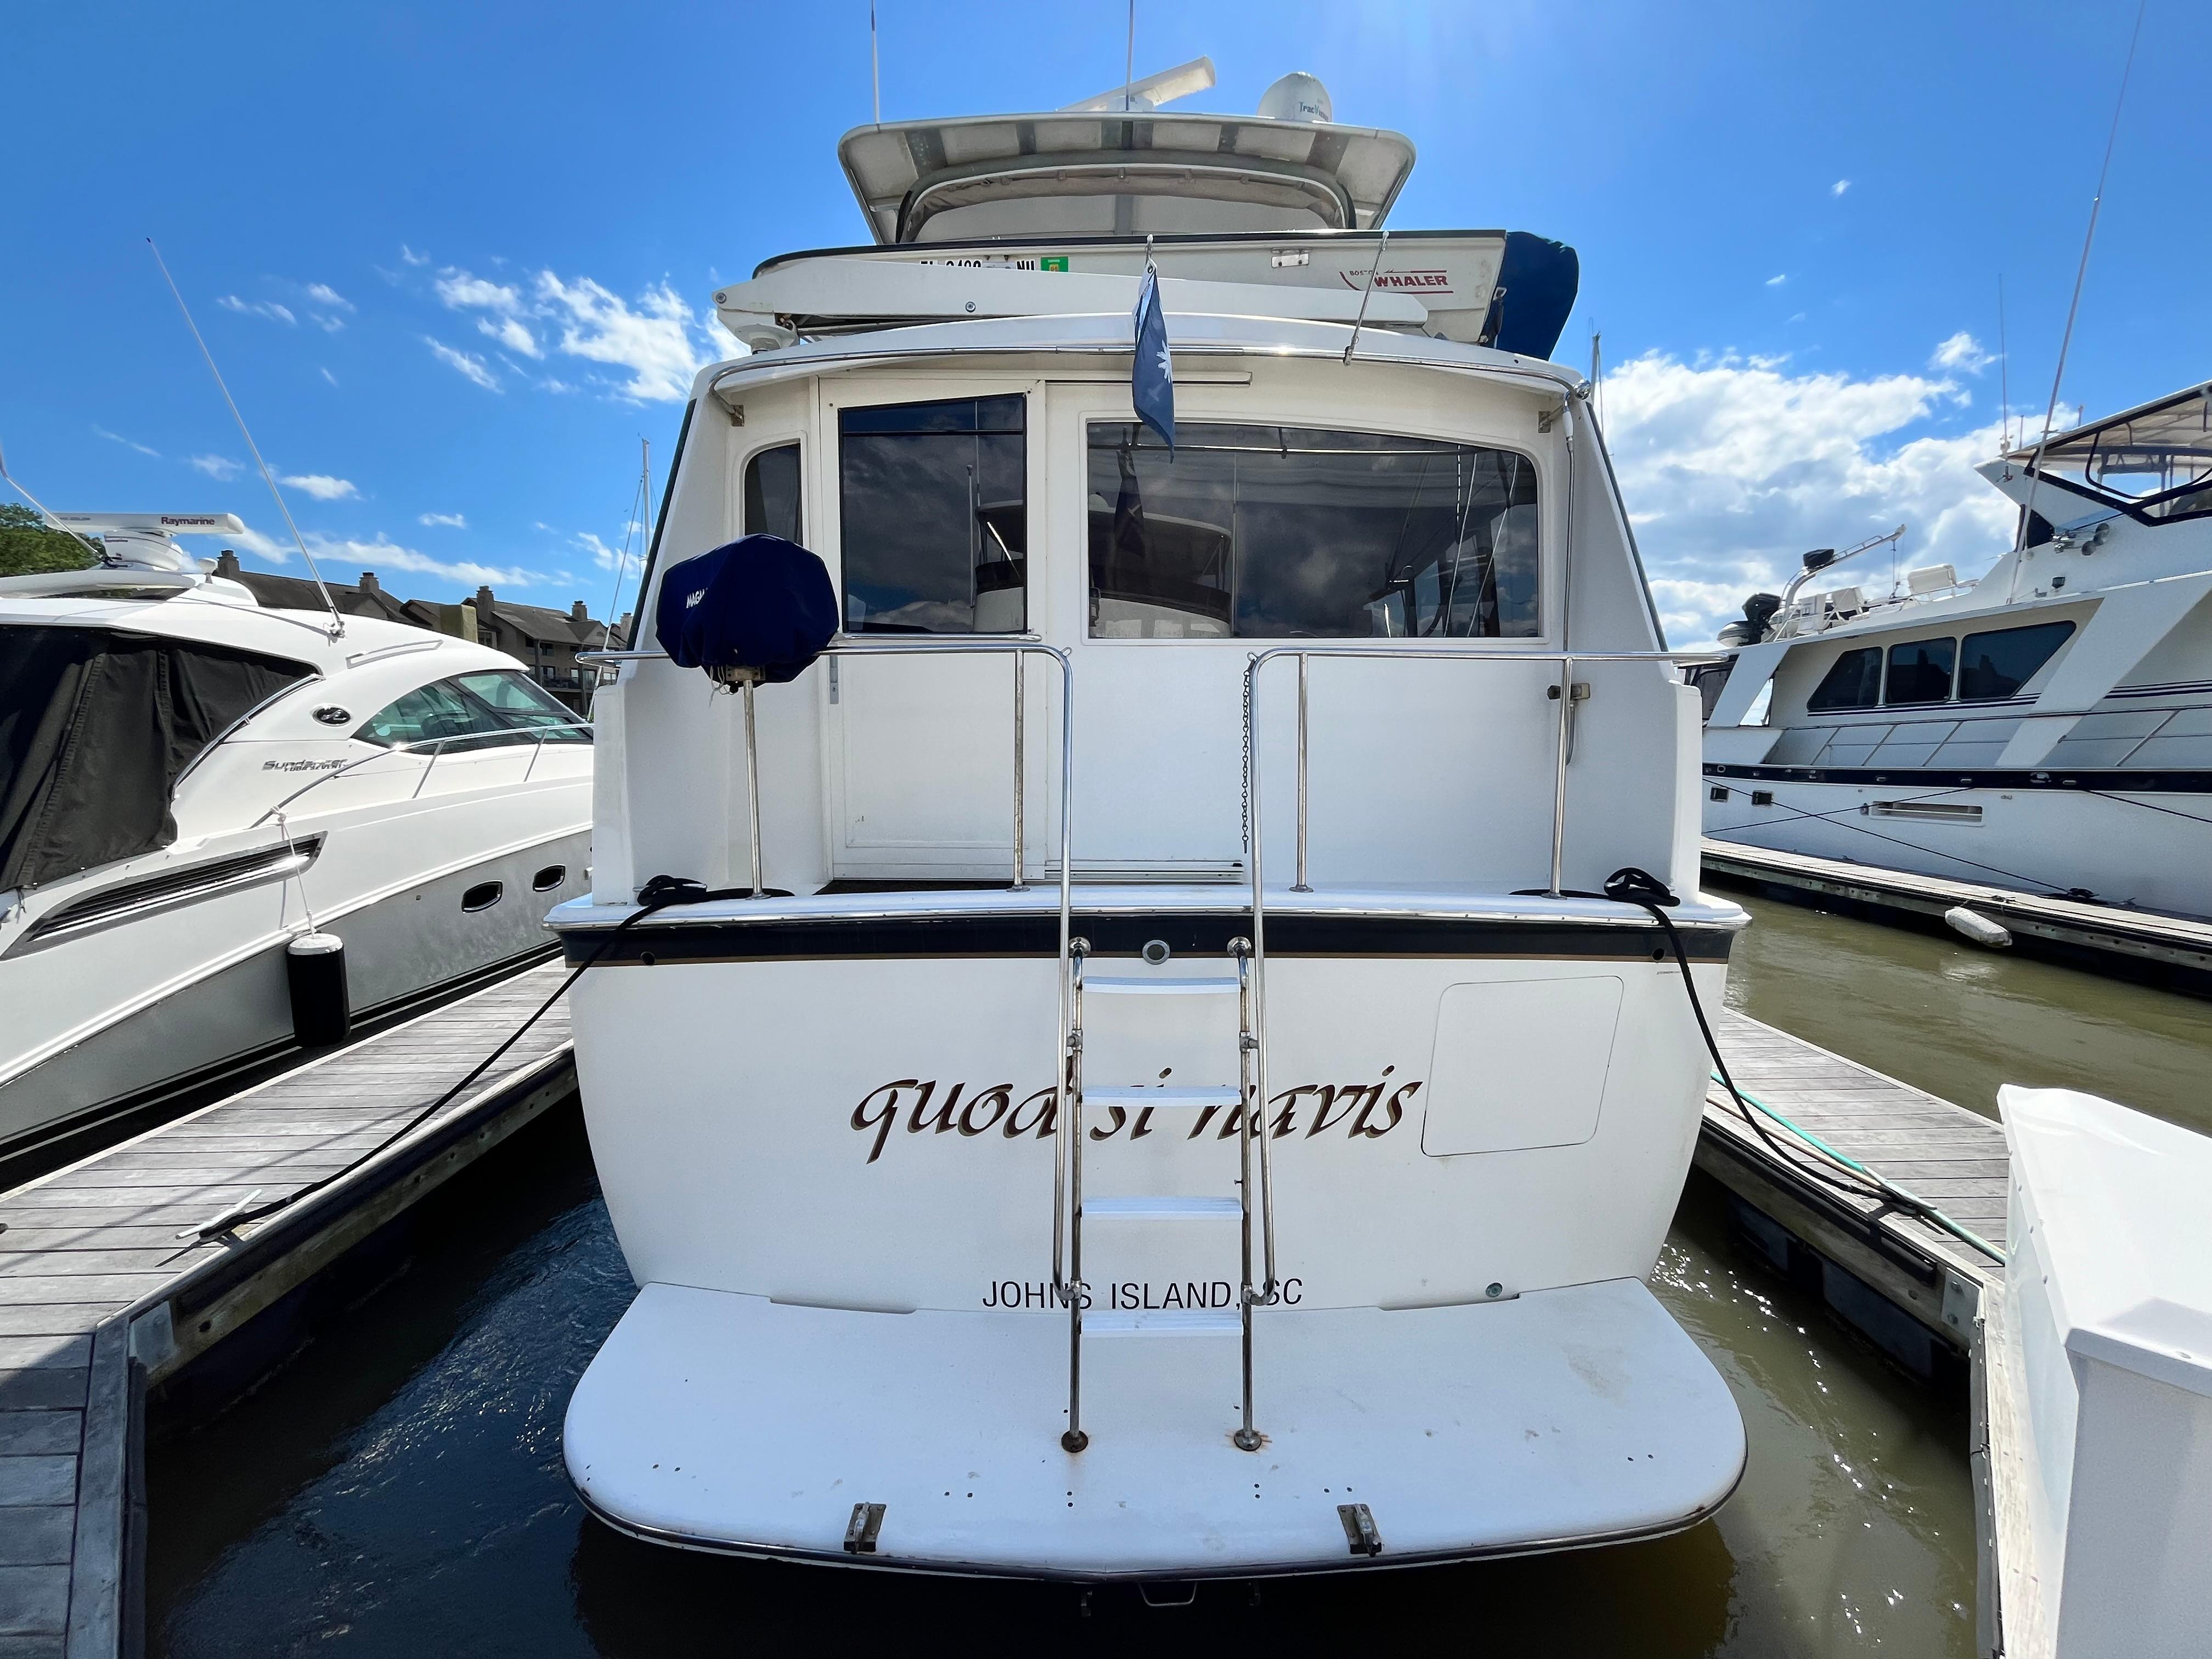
x,y
1152,376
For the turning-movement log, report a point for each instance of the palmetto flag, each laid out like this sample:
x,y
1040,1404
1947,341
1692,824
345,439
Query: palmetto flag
x,y
1152,376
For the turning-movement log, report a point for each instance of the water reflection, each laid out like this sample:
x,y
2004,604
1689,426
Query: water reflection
x,y
397,1488
1957,1019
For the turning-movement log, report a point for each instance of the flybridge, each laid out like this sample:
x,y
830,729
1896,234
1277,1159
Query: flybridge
x,y
1505,290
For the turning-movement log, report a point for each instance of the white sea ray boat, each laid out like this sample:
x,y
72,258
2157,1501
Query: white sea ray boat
x,y
208,810
1137,789
2047,727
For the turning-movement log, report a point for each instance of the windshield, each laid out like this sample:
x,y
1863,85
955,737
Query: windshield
x,y
2159,459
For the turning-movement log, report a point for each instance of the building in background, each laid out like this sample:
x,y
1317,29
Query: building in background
x,y
544,640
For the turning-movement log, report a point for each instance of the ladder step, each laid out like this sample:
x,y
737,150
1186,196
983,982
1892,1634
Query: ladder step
x,y
1228,1095
1159,987
1163,1209
1164,1321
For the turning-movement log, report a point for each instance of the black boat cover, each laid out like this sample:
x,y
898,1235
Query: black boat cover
x,y
758,602
96,726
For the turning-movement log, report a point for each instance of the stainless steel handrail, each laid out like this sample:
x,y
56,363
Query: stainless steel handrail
x,y
1563,692
483,739
1019,648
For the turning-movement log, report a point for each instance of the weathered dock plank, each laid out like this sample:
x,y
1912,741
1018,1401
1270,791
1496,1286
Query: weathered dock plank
x,y
91,1267
1942,1153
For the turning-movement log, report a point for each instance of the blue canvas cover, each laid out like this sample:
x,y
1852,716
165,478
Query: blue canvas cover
x,y
758,602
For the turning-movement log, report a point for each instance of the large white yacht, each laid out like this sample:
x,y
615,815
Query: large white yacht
x,y
2047,727
1148,798
190,784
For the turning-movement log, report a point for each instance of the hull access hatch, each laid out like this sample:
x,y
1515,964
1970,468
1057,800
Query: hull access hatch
x,y
1582,1415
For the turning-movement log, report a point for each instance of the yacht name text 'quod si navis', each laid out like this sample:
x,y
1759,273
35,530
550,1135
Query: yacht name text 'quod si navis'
x,y
1105,1055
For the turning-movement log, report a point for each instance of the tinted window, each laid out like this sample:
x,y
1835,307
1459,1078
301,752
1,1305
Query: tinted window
x,y
772,494
935,533
1920,671
1289,532
473,711
1854,682
1997,665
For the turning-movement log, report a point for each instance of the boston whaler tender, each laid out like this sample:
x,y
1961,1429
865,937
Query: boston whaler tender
x,y
1141,786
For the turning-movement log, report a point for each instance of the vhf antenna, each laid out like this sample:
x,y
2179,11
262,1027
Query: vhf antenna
x,y
337,622
2066,339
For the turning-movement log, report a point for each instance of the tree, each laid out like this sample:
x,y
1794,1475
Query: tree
x,y
27,546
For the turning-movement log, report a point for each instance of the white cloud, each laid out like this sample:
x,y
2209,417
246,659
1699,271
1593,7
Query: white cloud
x,y
510,334
1961,351
409,256
654,341
221,468
602,555
387,555
1733,467
1778,281
657,339
323,487
268,308
327,375
449,520
1839,187
128,443
462,363
328,323
269,551
323,294
460,291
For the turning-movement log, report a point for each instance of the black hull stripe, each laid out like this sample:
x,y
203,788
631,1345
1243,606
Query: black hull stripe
x,y
2110,780
1190,934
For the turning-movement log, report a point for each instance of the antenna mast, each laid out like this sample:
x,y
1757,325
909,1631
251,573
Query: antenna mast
x,y
337,622
875,64
1129,63
2081,271
2004,377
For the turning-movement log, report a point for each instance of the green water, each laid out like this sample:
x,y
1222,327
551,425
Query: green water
x,y
397,1488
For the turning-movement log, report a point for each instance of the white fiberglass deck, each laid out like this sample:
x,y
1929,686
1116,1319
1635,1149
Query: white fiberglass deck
x,y
1573,1416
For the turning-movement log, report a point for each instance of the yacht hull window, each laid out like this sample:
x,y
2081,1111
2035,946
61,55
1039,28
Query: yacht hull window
x,y
772,498
96,727
1853,681
1289,532
1920,671
933,500
1996,665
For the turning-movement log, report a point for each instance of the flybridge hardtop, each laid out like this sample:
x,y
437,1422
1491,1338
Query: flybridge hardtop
x,y
1275,214
1508,290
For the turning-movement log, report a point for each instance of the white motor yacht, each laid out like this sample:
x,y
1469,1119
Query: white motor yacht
x,y
191,784
1146,1085
2047,727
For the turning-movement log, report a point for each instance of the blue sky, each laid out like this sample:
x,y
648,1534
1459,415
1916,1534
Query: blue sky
x,y
456,261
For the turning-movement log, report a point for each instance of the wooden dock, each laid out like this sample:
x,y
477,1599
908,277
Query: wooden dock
x,y
99,1297
1906,1283
2172,951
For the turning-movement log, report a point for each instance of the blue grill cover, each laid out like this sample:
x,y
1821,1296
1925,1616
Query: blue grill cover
x,y
758,602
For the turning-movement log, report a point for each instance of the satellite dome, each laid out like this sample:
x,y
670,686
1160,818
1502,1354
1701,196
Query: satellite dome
x,y
1296,97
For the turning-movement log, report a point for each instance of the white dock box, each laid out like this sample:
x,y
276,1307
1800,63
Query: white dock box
x,y
2109,1290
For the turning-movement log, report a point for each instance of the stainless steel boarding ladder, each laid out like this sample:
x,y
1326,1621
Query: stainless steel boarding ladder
x,y
1245,1098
